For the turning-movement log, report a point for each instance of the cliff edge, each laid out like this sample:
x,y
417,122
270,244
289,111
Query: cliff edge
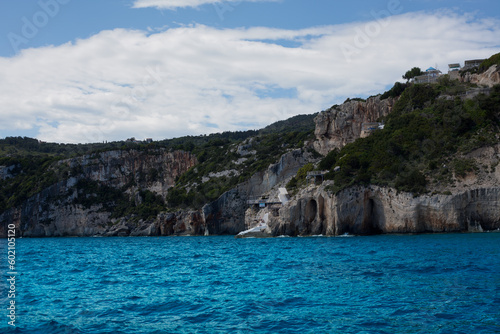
x,y
365,210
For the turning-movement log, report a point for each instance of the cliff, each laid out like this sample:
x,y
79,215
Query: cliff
x,y
155,170
341,125
372,210
82,204
65,209
433,168
489,78
226,215
472,204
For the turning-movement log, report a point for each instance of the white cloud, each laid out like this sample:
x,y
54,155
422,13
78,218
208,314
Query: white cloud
x,y
197,79
173,4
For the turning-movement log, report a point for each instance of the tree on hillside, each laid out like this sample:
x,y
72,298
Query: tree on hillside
x,y
414,72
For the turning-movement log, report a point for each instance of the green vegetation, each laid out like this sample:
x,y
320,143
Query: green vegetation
x,y
146,204
463,166
33,166
299,123
421,136
414,72
328,162
493,60
300,179
395,91
20,147
199,185
358,99
31,174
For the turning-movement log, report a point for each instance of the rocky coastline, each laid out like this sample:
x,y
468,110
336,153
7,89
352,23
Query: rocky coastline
x,y
472,205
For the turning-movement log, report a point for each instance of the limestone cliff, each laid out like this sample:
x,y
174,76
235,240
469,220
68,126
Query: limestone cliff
x,y
451,201
154,170
57,211
489,78
372,209
181,223
227,214
341,125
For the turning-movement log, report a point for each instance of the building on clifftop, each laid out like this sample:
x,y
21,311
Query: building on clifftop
x,y
431,75
470,64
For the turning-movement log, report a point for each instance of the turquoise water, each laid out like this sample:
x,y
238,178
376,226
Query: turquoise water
x,y
447,283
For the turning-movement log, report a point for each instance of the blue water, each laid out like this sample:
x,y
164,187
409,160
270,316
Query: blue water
x,y
447,283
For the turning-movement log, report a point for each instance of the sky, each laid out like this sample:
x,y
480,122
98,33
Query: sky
x,y
80,71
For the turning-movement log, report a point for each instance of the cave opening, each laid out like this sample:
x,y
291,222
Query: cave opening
x,y
311,211
310,215
371,219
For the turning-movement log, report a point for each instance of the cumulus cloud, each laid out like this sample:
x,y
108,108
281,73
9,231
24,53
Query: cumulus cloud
x,y
197,79
173,4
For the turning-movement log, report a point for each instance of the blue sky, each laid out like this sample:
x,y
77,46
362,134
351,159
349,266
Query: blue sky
x,y
84,18
88,70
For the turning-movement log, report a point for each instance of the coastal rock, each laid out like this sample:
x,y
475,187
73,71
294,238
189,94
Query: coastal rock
x,y
226,215
154,170
373,210
55,211
489,78
341,125
182,223
6,172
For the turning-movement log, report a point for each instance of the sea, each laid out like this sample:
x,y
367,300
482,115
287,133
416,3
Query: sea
x,y
434,283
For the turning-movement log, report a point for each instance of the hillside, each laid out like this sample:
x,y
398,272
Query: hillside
x,y
418,158
27,167
426,142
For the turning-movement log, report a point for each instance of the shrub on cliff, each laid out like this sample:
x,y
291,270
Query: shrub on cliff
x,y
395,91
29,175
415,97
463,166
411,181
420,136
493,60
301,177
414,72
329,161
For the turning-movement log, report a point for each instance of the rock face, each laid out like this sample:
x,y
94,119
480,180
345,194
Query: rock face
x,y
341,125
182,223
475,205
227,214
154,170
5,172
372,210
75,220
489,78
54,212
